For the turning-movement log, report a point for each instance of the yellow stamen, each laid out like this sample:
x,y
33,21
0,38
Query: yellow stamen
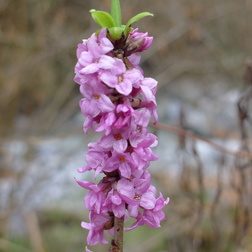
x,y
137,197
96,96
122,158
118,136
120,79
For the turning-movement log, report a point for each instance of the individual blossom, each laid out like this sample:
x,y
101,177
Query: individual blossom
x,y
116,137
121,161
120,78
92,55
137,42
96,228
153,217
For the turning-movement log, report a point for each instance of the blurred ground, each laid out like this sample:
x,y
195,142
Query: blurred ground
x,y
200,54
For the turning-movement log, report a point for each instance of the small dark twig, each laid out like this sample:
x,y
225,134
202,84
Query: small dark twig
x,y
215,203
242,210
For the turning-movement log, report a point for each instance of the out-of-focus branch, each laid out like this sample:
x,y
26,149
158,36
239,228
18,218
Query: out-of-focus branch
x,y
190,134
34,232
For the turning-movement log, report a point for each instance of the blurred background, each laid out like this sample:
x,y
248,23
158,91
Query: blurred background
x,y
201,58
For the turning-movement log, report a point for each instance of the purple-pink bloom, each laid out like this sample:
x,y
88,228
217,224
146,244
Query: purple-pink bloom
x,y
96,228
118,101
122,80
151,217
92,55
99,103
95,158
115,138
106,122
146,200
121,161
115,204
124,116
154,216
138,42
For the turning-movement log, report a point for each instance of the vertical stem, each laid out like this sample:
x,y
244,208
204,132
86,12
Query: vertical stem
x,y
117,242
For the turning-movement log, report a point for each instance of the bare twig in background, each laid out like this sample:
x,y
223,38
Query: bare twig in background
x,y
34,232
190,134
215,203
198,203
200,181
244,194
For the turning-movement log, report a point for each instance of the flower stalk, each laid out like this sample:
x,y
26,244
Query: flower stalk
x,y
117,242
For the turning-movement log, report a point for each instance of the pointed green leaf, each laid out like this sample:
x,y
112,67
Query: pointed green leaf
x,y
116,12
102,18
138,17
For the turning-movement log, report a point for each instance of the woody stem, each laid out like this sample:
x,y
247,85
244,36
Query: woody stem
x,y
117,243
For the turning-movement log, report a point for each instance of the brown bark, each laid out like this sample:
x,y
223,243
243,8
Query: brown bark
x,y
117,242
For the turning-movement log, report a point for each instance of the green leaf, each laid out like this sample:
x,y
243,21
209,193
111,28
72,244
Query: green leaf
x,y
138,17
116,12
102,18
116,32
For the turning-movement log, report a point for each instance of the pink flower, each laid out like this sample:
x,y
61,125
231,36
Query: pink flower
x,y
121,161
151,217
119,101
154,216
96,158
124,116
92,56
126,190
96,228
138,42
146,200
106,122
95,200
115,138
121,79
96,105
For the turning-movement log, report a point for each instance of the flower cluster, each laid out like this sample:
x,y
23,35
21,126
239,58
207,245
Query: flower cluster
x,y
120,101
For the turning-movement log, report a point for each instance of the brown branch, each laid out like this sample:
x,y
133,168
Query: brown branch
x,y
187,133
117,242
34,231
